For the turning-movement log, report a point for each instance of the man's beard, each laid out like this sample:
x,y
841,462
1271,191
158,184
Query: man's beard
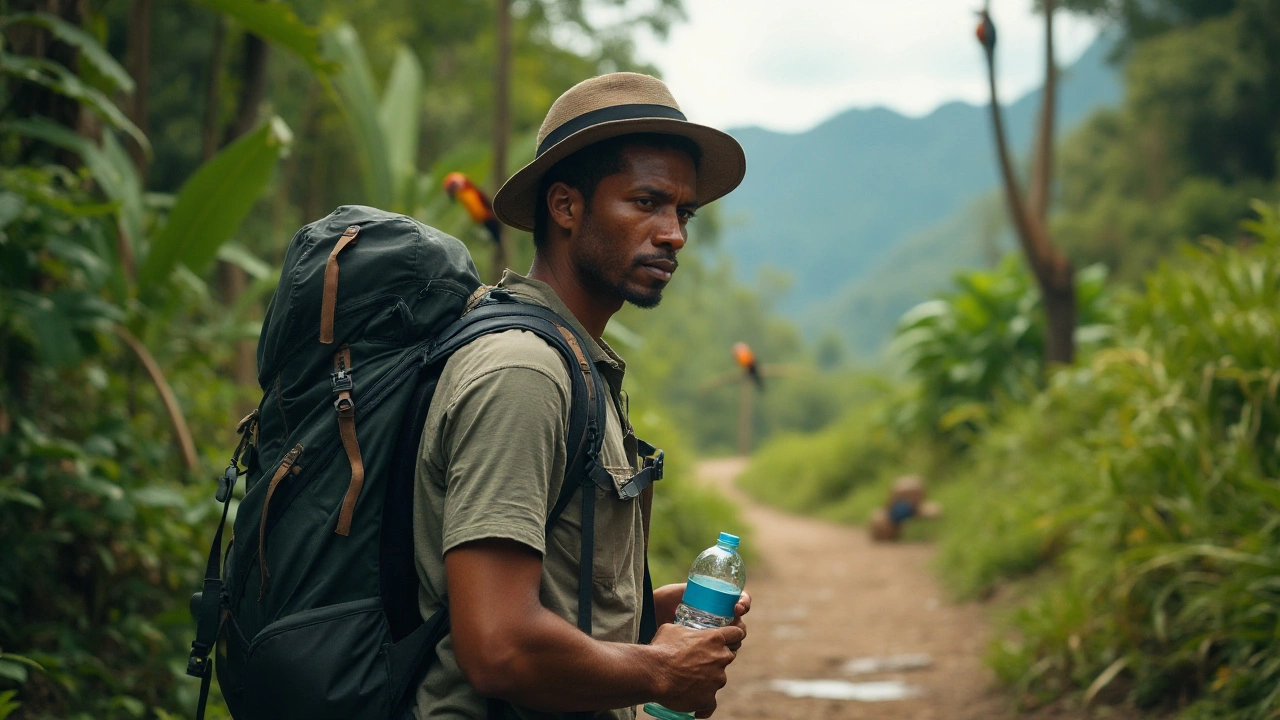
x,y
598,262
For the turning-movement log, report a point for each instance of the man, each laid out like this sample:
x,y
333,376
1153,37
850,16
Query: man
x,y
618,174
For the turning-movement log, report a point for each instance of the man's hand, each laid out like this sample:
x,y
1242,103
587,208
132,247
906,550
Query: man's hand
x,y
694,665
667,598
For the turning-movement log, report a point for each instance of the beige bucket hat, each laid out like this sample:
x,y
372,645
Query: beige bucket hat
x,y
607,106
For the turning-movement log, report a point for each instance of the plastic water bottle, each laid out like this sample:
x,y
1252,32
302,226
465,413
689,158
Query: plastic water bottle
x,y
716,580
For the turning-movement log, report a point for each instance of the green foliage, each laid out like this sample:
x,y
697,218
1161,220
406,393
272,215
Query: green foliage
x,y
92,52
277,23
1194,141
687,517
1162,510
213,203
64,81
818,473
984,343
101,535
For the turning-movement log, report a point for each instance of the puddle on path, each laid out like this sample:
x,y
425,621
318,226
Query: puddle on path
x,y
888,663
884,691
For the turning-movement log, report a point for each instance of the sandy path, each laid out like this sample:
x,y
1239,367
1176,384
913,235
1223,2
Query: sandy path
x,y
823,594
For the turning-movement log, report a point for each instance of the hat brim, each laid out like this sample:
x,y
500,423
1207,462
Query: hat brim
x,y
720,170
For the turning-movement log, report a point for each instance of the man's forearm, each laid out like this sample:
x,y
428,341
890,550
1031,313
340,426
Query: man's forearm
x,y
552,666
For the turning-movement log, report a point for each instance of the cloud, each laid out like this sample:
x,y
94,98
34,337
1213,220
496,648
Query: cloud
x,y
790,64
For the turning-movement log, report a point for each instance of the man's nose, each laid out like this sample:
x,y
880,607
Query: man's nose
x,y
671,233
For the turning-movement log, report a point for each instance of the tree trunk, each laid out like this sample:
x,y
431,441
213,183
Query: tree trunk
x,y
213,91
501,127
138,59
1042,157
1059,299
746,414
1052,269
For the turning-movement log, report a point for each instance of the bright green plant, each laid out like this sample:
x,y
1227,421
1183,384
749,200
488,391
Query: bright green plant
x,y
985,342
101,532
1163,513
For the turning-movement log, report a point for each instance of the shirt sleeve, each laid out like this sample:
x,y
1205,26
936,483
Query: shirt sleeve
x,y
502,432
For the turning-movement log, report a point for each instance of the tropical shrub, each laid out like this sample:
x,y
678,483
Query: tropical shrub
x,y
1166,507
818,473
984,343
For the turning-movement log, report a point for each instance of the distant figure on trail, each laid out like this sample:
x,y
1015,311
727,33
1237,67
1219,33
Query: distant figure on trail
x,y
906,501
618,173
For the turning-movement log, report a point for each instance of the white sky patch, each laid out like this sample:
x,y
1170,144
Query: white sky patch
x,y
788,65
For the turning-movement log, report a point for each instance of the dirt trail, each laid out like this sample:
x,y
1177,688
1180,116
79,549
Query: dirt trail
x,y
824,594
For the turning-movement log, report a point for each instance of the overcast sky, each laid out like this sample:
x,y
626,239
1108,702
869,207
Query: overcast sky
x,y
790,64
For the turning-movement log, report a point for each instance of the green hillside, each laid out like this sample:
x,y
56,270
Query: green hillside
x,y
865,310
830,205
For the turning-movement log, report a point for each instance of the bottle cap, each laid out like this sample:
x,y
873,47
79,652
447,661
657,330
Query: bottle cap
x,y
727,539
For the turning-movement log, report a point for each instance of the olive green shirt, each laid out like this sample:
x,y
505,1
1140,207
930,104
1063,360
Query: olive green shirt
x,y
491,464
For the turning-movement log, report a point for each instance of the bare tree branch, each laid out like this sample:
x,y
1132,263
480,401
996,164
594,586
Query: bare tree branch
x,y
1042,159
181,433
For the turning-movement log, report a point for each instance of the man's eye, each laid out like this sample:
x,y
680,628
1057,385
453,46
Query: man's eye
x,y
686,215
645,202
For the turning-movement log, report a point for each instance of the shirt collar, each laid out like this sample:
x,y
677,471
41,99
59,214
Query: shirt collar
x,y
537,291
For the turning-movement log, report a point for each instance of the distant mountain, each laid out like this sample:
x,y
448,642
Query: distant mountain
x,y
828,205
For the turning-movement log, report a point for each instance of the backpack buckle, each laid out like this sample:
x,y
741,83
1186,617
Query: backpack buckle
x,y
198,666
341,381
226,482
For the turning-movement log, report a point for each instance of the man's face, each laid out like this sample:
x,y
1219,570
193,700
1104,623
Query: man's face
x,y
635,225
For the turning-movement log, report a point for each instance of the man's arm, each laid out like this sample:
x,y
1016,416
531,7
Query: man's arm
x,y
511,647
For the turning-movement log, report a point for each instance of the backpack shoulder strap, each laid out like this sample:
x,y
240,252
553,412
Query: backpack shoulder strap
x,y
500,312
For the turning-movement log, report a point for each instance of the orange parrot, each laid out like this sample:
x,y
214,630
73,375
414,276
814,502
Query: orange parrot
x,y
747,361
474,200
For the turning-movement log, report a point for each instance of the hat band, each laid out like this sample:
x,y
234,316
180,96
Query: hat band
x,y
637,111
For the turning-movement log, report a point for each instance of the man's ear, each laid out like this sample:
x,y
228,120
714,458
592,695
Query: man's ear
x,y
565,206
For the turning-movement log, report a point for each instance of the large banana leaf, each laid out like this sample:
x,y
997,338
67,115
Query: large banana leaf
x,y
90,51
399,116
358,98
214,201
276,22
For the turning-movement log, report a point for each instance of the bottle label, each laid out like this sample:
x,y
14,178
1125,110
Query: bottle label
x,y
711,595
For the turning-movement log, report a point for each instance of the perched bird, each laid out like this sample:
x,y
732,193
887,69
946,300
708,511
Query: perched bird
x,y
462,190
986,32
747,361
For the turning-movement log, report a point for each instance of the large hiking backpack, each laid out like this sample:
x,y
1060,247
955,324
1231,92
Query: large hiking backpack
x,y
315,614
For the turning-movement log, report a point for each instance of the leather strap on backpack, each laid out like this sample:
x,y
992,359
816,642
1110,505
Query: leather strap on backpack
x,y
346,407
329,301
281,473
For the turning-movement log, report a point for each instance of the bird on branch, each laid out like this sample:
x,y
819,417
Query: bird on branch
x,y
477,204
986,32
746,358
